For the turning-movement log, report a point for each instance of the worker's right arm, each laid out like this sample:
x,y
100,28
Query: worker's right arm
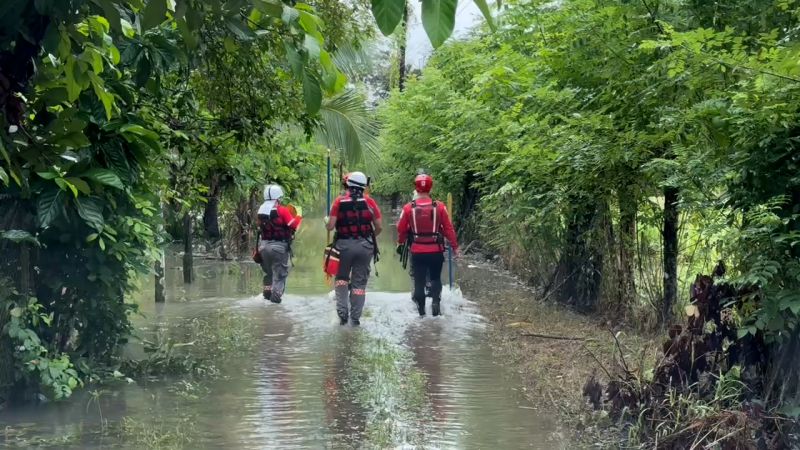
x,y
330,222
402,225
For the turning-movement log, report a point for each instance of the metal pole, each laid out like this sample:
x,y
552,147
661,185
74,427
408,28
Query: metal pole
x,y
329,181
328,198
450,247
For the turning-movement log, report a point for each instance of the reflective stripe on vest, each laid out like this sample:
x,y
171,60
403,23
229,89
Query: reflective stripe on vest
x,y
425,225
354,219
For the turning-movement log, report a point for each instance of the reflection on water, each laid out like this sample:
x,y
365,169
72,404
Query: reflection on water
x,y
309,382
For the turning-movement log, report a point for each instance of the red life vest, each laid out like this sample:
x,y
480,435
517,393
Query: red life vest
x,y
425,224
274,228
354,219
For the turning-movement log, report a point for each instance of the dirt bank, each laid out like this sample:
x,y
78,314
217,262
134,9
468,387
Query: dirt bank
x,y
554,349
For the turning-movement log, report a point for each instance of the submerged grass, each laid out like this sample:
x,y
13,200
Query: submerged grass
x,y
197,346
387,385
156,434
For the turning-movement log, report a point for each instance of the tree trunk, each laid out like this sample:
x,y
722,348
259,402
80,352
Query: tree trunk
x,y
401,57
211,212
160,293
578,275
670,235
627,247
245,220
187,248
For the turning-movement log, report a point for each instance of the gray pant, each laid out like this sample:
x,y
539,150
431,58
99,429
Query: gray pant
x,y
275,264
351,281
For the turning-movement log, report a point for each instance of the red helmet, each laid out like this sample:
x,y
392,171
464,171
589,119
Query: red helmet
x,y
424,183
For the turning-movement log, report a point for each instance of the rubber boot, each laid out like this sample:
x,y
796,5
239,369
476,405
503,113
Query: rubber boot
x,y
342,320
275,300
355,323
435,307
267,293
421,307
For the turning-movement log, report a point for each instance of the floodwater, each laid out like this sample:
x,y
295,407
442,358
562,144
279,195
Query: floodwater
x,y
398,381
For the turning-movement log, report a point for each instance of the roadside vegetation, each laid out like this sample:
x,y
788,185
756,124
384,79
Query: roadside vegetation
x,y
613,152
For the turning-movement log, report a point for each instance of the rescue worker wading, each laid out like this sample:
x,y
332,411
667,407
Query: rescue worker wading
x,y
357,221
424,224
276,225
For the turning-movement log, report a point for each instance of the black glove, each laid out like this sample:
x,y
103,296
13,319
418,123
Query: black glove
x,y
399,249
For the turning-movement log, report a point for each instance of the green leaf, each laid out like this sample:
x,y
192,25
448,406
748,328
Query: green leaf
x,y
127,29
240,30
154,14
312,46
74,140
270,8
487,13
100,91
19,236
295,61
66,185
17,312
230,45
189,37
289,14
80,184
104,176
73,88
111,13
91,211
139,131
48,207
4,177
438,19
312,93
388,14
49,175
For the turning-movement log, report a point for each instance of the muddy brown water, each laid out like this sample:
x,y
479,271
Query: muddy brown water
x,y
308,383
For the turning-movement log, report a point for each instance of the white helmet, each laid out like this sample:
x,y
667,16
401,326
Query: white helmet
x,y
357,180
272,192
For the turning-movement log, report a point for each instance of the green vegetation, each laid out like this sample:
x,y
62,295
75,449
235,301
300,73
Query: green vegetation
x,y
204,344
392,391
611,151
121,120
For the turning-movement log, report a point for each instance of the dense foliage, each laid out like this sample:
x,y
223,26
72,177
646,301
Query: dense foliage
x,y
611,150
112,109
122,118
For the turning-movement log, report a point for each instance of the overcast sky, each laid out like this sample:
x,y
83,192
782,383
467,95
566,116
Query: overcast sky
x,y
419,48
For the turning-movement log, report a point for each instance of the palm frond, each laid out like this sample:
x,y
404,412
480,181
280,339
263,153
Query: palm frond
x,y
348,127
354,62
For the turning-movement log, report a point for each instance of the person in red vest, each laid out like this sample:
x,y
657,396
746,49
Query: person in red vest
x,y
357,220
276,225
425,224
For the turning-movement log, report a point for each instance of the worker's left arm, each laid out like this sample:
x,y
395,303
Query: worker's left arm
x,y
377,220
291,221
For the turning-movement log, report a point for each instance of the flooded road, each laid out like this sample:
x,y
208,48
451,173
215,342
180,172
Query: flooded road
x,y
398,381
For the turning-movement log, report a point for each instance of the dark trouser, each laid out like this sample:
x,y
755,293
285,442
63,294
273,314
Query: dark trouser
x,y
427,266
351,281
275,264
